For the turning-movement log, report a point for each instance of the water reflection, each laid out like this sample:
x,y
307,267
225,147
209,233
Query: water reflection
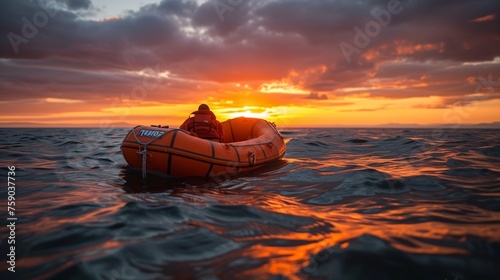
x,y
335,207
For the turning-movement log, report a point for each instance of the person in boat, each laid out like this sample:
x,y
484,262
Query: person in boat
x,y
204,124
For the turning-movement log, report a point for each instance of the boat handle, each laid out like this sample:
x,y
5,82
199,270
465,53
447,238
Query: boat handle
x,y
251,158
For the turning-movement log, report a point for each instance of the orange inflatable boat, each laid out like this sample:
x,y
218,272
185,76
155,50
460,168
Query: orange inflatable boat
x,y
248,143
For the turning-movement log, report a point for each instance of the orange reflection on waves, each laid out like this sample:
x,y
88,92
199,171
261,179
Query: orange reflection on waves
x,y
421,237
397,167
96,250
288,260
50,223
55,222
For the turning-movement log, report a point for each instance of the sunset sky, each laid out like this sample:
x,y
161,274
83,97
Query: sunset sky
x,y
297,63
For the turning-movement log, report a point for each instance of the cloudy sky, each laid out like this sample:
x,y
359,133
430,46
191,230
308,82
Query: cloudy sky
x,y
295,62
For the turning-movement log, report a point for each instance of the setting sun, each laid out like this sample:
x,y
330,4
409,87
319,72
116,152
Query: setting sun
x,y
248,112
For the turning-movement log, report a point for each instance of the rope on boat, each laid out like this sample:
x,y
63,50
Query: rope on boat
x,y
144,152
273,126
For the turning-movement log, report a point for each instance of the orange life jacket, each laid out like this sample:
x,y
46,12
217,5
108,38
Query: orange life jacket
x,y
204,123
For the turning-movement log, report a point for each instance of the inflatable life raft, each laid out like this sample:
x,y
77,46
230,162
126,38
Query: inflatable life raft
x,y
248,143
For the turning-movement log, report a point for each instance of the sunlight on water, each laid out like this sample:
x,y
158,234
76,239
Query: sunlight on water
x,y
342,204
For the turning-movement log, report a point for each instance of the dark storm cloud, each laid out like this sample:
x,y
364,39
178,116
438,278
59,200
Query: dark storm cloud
x,y
252,41
77,4
227,20
35,80
64,35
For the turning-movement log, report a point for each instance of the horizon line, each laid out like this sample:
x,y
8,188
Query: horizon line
x,y
491,125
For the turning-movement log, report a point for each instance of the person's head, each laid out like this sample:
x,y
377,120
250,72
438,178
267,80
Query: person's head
x,y
203,107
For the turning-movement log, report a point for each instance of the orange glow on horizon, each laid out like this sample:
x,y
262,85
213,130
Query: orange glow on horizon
x,y
357,110
285,102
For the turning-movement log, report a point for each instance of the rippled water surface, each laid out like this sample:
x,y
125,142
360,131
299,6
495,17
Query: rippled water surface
x,y
342,204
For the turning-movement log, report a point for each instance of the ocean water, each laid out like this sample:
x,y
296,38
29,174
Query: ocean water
x,y
342,204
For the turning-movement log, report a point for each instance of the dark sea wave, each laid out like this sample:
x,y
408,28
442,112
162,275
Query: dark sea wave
x,y
342,204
